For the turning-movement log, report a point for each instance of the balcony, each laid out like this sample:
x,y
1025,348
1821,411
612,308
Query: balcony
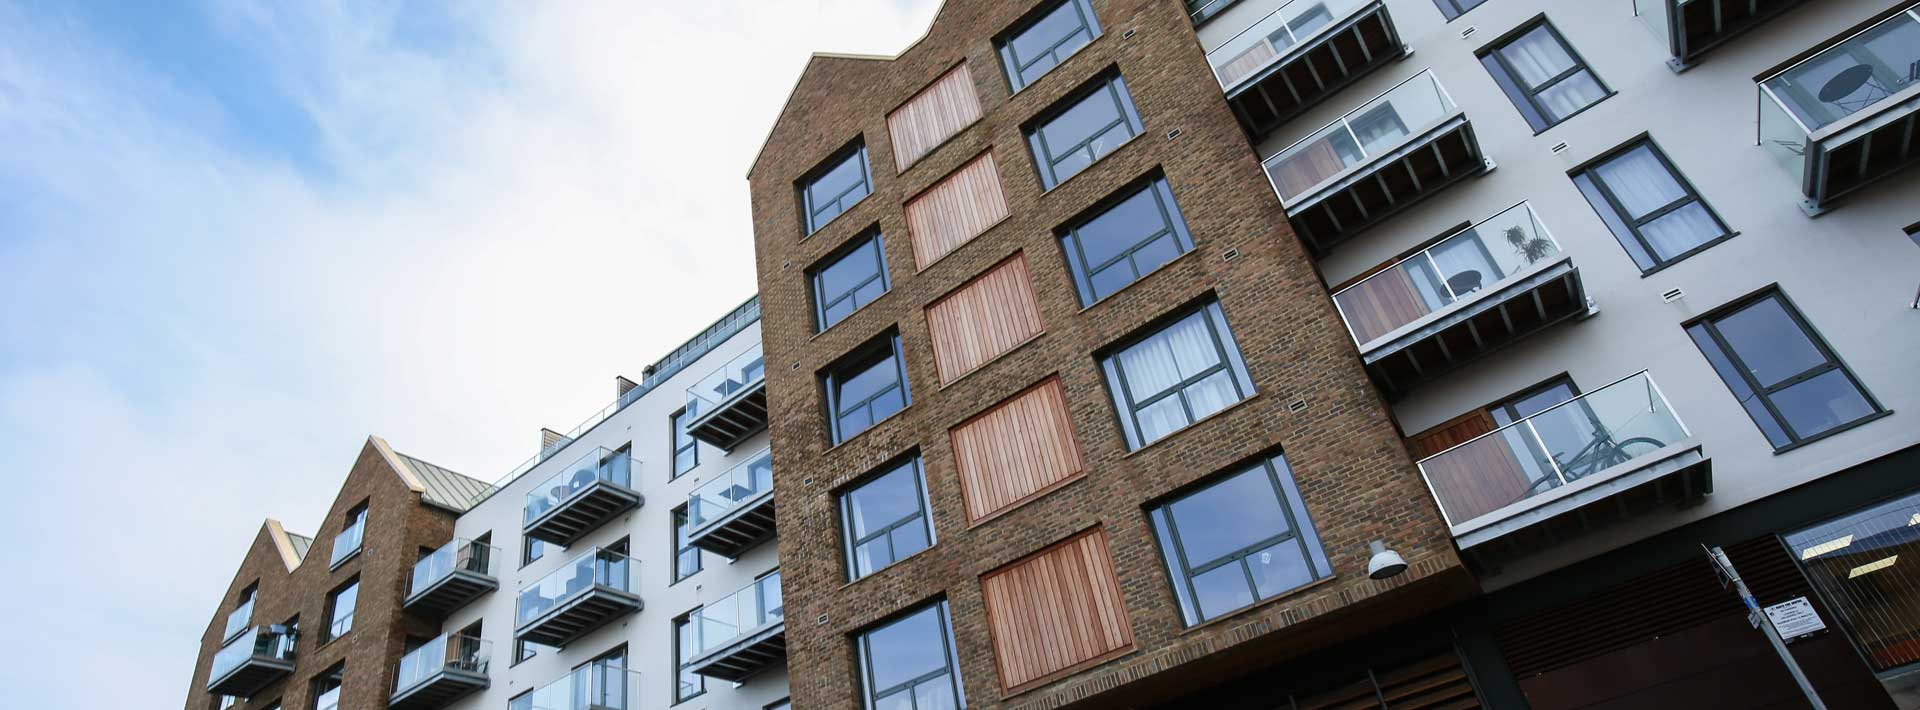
x,y
1844,118
1615,452
1691,27
441,671
587,593
581,497
1472,293
252,661
601,685
1299,55
730,514
728,406
741,634
1393,151
445,580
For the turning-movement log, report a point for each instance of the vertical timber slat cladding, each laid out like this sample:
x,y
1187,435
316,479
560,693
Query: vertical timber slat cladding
x,y
1016,451
932,116
990,315
955,210
1451,433
1054,610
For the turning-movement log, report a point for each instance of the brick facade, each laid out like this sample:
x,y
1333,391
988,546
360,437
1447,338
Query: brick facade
x,y
398,526
1314,401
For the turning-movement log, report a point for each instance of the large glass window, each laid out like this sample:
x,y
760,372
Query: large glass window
x,y
866,388
347,543
836,186
1203,10
1656,216
1126,240
1866,567
686,557
340,606
1046,38
1238,540
885,519
850,279
686,449
1543,76
1176,375
326,688
909,663
691,684
1456,8
1787,379
1082,129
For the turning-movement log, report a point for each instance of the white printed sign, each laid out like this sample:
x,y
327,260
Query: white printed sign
x,y
1795,618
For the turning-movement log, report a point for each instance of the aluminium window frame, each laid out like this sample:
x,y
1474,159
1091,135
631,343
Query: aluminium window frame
x,y
1119,389
1046,161
1011,66
855,150
1074,250
1708,323
684,621
1516,87
870,696
924,516
1300,529
682,526
332,631
676,430
816,284
1450,9
871,354
1207,10
1590,172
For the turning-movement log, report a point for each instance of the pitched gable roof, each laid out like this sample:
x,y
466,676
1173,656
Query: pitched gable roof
x,y
445,487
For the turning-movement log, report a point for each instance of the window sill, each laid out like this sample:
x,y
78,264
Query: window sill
x,y
857,311
1190,427
990,361
335,567
863,432
836,218
1142,279
1836,431
893,565
1241,613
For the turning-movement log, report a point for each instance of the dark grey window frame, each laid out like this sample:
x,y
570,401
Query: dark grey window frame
x,y
1527,98
684,621
337,674
871,696
1230,359
1012,65
822,300
1300,529
677,430
857,150
680,522
1109,84
1505,407
859,361
1587,175
329,635
1709,328
1075,251
924,516
1207,10
1451,9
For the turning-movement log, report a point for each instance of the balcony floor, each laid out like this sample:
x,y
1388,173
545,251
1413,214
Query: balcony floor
x,y
1477,325
740,530
734,420
580,615
583,512
1701,26
742,659
1676,474
1843,159
1306,76
250,677
1394,181
439,690
449,594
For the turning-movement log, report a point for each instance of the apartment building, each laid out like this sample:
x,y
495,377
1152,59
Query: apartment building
x,y
629,564
1126,343
316,622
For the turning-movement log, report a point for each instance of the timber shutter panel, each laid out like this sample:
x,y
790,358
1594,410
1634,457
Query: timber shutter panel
x,y
1055,610
984,318
955,210
932,116
1016,450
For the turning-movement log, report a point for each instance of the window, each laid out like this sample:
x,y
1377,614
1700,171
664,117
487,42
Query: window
x,y
242,614
1656,216
1784,375
225,701
866,388
686,557
1238,540
691,684
781,704
1043,40
340,606
850,279
1543,76
1203,10
686,449
909,663
600,683
1533,401
1125,240
1456,8
523,650
885,519
1866,567
836,186
1176,375
347,543
531,550
1082,129
326,688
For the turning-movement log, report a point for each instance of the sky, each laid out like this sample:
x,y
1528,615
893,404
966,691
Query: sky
x,y
238,237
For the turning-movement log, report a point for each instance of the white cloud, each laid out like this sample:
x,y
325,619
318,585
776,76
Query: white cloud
x,y
509,205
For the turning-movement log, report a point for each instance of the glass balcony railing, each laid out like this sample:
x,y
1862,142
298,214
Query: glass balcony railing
x,y
1856,77
1360,137
718,497
238,619
348,541
747,610
270,643
716,389
600,685
1277,36
595,567
1580,437
448,652
1473,261
595,466
457,555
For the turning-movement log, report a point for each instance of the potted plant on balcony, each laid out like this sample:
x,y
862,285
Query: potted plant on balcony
x,y
1531,247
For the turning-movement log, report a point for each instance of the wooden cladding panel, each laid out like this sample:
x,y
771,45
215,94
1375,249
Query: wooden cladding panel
x,y
1453,432
1055,610
932,116
990,315
1016,451
956,209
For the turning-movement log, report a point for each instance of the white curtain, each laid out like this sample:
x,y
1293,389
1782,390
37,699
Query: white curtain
x,y
1538,56
1642,184
1166,359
